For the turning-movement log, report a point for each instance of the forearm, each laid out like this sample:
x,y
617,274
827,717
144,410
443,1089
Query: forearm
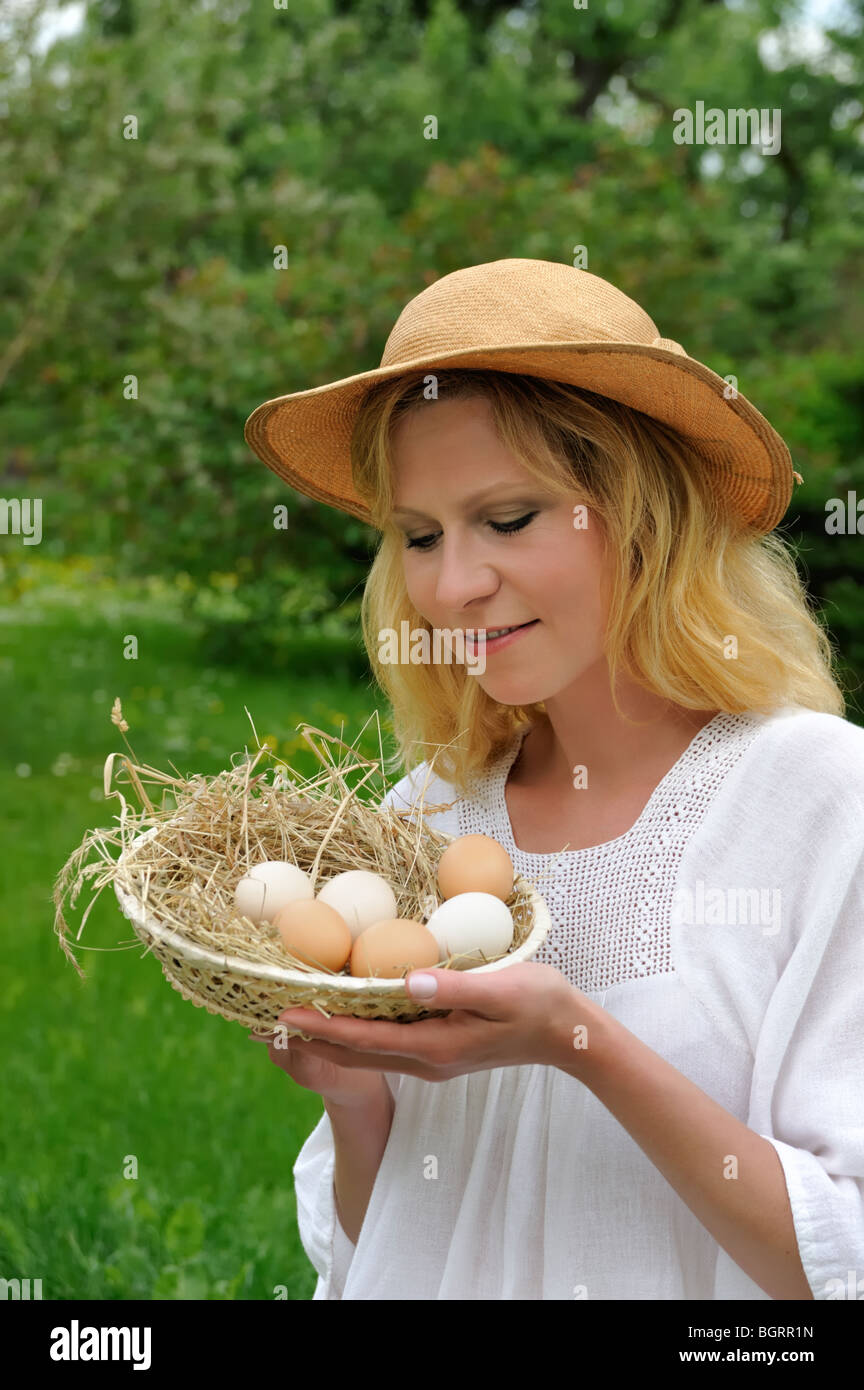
x,y
729,1176
360,1135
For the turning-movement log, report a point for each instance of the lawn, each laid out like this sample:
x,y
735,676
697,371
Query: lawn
x,y
119,1067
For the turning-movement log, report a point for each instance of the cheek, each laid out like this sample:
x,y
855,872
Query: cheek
x,y
417,585
568,564
569,579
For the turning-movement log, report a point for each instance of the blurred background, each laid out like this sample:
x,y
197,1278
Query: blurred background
x,y
146,310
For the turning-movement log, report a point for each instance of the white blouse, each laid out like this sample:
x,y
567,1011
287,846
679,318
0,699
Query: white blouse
x,y
725,929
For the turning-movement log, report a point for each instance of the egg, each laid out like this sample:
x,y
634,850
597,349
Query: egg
x,y
315,934
475,864
361,898
269,887
389,949
471,923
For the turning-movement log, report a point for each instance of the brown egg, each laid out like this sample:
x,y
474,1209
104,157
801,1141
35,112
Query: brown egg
x,y
315,934
390,949
475,864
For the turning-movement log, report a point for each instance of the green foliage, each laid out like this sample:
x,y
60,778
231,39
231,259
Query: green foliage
x,y
282,619
304,127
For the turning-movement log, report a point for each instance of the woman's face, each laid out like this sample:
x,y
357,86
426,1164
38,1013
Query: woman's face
x,y
454,484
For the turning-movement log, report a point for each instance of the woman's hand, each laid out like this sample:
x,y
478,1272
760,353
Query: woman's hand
x,y
523,1014
344,1086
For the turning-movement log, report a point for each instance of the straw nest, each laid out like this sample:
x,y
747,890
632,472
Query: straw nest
x,y
178,865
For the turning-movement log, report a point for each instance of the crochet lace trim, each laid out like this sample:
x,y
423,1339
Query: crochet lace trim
x,y
611,904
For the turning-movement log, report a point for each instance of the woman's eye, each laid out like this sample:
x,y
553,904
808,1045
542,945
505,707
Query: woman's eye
x,y
507,528
501,528
419,542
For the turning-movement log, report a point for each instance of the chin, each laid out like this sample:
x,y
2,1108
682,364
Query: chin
x,y
511,692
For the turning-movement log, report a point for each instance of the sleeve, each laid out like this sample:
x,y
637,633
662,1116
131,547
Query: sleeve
x,y
420,791
321,1234
814,1113
396,797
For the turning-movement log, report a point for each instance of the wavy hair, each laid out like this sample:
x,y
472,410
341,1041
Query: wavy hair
x,y
686,574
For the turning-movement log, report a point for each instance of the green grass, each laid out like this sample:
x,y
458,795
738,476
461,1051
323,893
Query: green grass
x,y
119,1067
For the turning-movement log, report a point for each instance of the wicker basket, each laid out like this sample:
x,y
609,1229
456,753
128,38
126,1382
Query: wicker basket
x,y
255,994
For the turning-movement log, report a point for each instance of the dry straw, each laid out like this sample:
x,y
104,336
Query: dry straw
x,y
179,862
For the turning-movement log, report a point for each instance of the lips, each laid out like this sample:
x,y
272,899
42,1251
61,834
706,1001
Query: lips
x,y
492,632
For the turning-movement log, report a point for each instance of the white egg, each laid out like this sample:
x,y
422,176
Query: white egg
x,y
361,898
269,887
469,923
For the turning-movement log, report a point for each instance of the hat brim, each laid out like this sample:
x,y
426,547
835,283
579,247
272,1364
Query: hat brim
x,y
305,437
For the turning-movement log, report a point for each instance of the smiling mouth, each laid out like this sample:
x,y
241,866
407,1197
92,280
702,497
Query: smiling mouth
x,y
492,632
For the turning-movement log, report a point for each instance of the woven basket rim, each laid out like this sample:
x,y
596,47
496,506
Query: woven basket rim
x,y
144,921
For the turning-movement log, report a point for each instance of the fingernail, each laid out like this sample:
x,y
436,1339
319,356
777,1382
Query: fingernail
x,y
422,986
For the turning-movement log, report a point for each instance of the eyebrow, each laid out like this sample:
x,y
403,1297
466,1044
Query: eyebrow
x,y
510,492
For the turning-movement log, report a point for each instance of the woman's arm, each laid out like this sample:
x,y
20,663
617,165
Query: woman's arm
x,y
360,1134
729,1176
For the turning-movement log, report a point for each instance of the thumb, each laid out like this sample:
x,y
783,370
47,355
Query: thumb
x,y
449,988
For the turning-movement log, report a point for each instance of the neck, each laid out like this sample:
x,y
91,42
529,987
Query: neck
x,y
583,728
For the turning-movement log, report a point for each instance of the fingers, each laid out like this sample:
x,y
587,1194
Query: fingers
x,y
364,1061
378,1037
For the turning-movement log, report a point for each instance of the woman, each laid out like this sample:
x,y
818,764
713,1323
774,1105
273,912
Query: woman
x,y
666,1102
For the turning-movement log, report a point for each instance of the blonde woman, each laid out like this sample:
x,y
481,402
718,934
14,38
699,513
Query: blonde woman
x,y
667,1101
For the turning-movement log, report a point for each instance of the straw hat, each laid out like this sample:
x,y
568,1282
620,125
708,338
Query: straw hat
x,y
543,319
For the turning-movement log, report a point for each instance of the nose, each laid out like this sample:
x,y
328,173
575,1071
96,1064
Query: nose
x,y
464,574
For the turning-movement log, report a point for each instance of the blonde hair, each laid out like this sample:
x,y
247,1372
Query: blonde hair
x,y
686,574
